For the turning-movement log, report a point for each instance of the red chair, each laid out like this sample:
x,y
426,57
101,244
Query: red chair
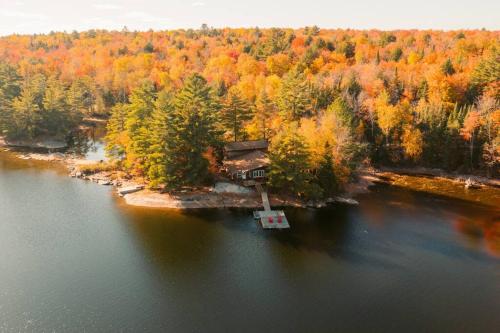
x,y
280,219
271,220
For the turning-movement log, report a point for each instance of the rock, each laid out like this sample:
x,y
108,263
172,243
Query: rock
x,y
470,184
131,189
348,201
222,187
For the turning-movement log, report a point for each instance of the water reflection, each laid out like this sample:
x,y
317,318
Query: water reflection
x,y
89,142
481,231
76,258
476,221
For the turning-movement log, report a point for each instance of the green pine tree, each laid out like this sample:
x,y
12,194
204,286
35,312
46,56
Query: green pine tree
x,y
192,129
235,113
294,97
447,68
56,117
117,136
326,177
83,97
264,108
27,118
142,104
156,162
488,70
289,164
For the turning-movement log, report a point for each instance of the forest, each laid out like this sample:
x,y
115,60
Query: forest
x,y
329,101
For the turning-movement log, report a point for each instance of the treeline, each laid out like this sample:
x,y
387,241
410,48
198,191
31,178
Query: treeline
x,y
175,137
328,100
37,106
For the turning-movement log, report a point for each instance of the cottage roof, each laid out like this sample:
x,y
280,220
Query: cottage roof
x,y
251,161
247,145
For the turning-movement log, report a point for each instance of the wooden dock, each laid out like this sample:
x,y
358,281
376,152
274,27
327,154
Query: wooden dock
x,y
272,219
268,218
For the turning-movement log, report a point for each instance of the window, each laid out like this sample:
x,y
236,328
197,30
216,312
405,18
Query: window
x,y
258,174
239,175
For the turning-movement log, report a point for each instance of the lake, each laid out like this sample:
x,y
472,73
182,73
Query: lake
x,y
74,258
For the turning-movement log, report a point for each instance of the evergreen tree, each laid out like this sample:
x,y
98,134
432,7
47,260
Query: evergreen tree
x,y
488,69
397,54
82,97
149,48
55,116
27,117
289,163
235,113
142,104
156,162
192,129
447,68
343,112
395,88
264,108
294,97
5,114
353,87
326,175
117,136
10,81
76,100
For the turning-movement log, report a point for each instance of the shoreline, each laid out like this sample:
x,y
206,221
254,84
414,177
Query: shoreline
x,y
198,198
207,197
439,174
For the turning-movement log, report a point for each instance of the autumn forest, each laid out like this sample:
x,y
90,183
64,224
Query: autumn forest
x,y
329,101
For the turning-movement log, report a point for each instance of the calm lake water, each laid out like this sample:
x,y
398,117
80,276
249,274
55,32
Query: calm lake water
x,y
73,258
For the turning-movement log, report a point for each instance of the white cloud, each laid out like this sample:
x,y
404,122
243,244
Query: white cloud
x,y
198,4
106,6
22,15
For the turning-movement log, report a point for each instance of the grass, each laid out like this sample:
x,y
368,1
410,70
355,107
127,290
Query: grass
x,y
90,169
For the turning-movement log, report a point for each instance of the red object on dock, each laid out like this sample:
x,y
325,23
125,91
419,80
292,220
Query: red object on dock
x,y
280,219
271,220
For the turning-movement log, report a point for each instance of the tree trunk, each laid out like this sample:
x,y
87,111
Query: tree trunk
x,y
471,151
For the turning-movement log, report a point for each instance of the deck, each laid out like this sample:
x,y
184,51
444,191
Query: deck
x,y
268,218
273,219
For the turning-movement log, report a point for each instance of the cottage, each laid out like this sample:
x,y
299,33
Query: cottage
x,y
246,160
240,148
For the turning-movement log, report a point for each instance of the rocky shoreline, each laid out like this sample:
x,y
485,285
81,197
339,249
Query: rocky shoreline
x,y
439,174
238,197
196,198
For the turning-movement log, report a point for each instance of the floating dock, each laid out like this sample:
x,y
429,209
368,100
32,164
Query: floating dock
x,y
272,219
268,218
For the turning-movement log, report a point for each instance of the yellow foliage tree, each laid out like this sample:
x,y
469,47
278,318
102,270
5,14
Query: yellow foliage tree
x,y
412,142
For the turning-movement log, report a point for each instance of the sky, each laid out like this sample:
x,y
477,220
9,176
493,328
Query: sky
x,y
42,16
